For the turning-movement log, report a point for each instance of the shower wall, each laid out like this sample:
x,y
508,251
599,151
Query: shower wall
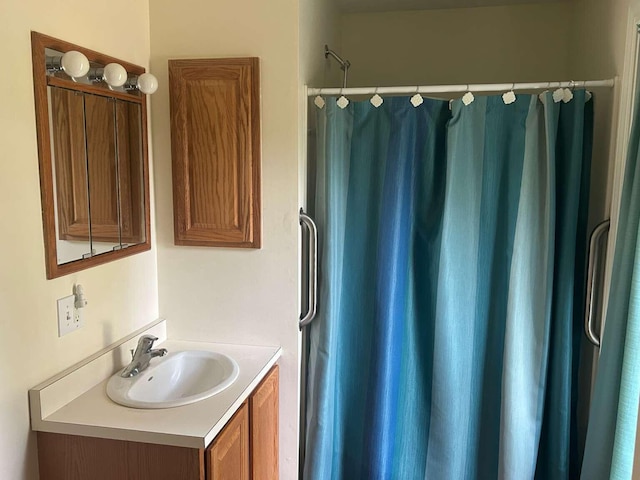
x,y
465,45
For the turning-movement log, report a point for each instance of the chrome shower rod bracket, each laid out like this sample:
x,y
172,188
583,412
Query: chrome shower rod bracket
x,y
344,64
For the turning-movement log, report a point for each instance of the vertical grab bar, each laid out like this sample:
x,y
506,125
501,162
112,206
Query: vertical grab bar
x,y
306,221
592,276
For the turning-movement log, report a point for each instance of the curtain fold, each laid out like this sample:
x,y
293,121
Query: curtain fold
x,y
613,415
449,241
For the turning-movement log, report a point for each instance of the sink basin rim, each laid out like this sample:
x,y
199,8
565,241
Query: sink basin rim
x,y
120,389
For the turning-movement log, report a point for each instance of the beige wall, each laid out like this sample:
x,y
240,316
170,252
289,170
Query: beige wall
x,y
223,294
319,25
122,295
467,45
597,47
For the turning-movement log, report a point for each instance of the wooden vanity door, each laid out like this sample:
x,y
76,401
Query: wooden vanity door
x,y
264,427
228,455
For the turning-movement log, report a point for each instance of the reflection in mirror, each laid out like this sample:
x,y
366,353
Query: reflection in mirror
x,y
104,230
92,143
130,172
66,113
98,170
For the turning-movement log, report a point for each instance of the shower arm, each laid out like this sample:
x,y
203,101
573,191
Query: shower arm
x,y
344,64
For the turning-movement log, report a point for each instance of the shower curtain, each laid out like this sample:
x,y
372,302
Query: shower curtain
x,y
611,438
452,246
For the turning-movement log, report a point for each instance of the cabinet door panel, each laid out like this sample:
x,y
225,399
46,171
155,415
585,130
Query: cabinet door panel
x,y
164,462
215,149
70,457
228,455
264,428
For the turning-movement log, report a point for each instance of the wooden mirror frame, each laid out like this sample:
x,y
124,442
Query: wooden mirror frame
x,y
40,82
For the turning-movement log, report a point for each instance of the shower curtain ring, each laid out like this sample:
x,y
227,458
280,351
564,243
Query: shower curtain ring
x,y
417,99
509,97
343,101
468,97
376,100
568,92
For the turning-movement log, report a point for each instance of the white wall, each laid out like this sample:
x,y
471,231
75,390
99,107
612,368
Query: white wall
x,y
466,45
223,294
122,295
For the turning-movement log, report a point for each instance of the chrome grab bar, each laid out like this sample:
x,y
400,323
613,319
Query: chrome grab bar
x,y
592,276
306,221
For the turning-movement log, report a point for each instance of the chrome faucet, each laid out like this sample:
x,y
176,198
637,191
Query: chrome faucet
x,y
142,356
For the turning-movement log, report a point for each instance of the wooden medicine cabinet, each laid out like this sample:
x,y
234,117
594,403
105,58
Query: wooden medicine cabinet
x,y
215,147
94,171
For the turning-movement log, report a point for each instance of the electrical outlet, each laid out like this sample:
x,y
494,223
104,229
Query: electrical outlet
x,y
78,318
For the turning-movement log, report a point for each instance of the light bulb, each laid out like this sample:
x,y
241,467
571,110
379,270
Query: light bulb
x,y
147,83
75,64
114,74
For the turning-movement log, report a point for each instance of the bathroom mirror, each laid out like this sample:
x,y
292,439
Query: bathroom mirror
x,y
92,141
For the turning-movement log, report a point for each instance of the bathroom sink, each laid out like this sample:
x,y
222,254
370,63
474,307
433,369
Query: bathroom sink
x,y
177,379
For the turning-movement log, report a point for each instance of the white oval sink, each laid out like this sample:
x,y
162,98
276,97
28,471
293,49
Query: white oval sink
x,y
177,379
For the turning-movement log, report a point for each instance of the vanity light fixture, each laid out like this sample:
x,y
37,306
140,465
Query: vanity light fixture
x,y
73,63
114,75
76,65
147,83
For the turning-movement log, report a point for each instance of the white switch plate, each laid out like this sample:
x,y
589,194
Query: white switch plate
x,y
69,318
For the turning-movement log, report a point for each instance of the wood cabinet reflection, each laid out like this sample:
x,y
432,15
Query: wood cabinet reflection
x,y
98,167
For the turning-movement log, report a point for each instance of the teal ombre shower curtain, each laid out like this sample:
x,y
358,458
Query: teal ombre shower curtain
x,y
451,274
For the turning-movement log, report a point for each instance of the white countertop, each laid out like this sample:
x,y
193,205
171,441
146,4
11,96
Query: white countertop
x,y
93,414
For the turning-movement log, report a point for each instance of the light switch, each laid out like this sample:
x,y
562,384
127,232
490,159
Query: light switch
x,y
68,320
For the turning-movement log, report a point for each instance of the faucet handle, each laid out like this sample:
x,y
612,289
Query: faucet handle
x,y
146,342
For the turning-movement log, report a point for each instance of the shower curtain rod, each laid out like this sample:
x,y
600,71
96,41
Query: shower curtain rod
x,y
478,87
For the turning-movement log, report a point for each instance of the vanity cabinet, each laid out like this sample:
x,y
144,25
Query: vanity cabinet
x,y
228,455
263,407
245,449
